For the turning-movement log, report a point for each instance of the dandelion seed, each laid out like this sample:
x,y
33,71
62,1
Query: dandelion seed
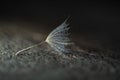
x,y
58,39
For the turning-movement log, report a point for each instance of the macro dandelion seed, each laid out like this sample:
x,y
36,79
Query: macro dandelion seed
x,y
58,39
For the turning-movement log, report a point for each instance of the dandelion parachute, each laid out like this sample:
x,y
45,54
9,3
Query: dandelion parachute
x,y
58,39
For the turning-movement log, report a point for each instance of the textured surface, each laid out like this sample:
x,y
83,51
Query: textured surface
x,y
41,63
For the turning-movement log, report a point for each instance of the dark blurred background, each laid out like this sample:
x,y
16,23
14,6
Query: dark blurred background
x,y
92,23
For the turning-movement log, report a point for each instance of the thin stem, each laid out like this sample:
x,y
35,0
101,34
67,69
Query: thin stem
x,y
27,48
